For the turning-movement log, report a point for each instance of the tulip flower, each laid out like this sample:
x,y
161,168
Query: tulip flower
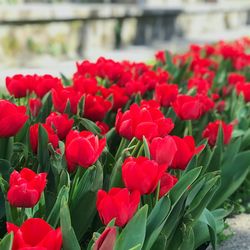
x,y
192,107
234,78
46,83
25,188
211,132
163,150
35,105
19,85
52,136
165,94
166,184
142,174
60,123
85,85
185,151
96,107
82,149
63,96
141,121
118,203
35,233
244,88
12,118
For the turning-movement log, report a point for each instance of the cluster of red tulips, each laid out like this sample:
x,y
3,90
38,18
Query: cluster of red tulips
x,y
126,155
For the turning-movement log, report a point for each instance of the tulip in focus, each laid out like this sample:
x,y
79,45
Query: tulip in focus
x,y
118,203
186,149
12,118
35,234
82,149
163,150
142,174
60,123
25,188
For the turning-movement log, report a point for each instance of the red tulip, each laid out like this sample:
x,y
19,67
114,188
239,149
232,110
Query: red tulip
x,y
166,184
117,203
104,128
118,94
82,149
19,85
211,132
141,121
12,118
63,96
148,172
52,136
106,240
234,78
165,94
185,151
60,123
95,107
192,107
244,88
46,83
85,85
35,105
35,234
26,188
163,150
202,86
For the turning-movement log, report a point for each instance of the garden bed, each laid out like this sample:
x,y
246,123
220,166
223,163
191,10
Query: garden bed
x,y
127,155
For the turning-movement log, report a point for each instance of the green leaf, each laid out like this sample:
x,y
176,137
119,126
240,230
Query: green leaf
x,y
208,218
188,239
84,199
184,182
65,80
54,215
6,147
134,232
45,109
6,242
146,148
89,125
69,238
232,177
156,221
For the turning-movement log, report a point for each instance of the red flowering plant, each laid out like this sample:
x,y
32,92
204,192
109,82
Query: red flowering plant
x,y
125,155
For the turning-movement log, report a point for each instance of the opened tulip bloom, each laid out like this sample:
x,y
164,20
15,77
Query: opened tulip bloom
x,y
142,174
25,188
212,129
142,121
60,123
165,94
118,203
163,150
36,234
12,118
83,149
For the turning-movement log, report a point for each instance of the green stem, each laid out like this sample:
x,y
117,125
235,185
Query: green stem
x,y
122,145
157,192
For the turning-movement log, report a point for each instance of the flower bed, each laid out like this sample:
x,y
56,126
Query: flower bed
x,y
126,155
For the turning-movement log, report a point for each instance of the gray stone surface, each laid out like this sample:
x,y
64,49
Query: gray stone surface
x,y
240,225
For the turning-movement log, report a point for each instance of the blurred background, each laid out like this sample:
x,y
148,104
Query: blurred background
x,y
49,36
